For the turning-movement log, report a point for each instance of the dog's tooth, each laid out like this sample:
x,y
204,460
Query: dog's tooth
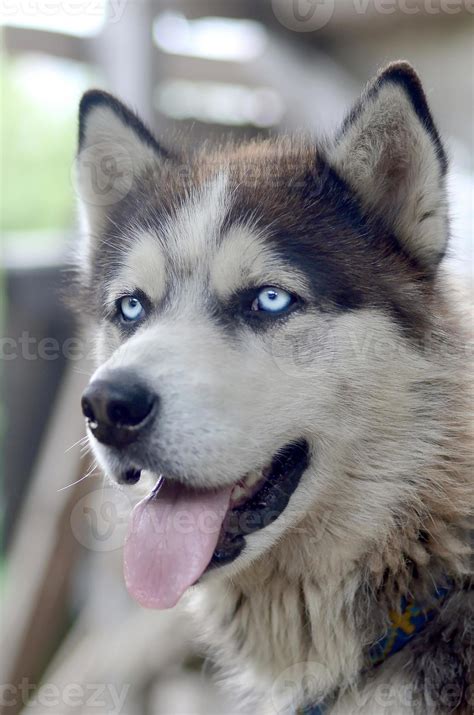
x,y
245,487
253,478
238,493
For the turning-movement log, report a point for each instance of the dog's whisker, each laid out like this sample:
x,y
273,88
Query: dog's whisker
x,y
80,442
82,372
78,481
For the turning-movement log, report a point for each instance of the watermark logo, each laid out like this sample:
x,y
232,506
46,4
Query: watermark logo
x,y
93,697
300,350
296,352
303,15
112,11
28,347
103,174
299,683
99,520
312,15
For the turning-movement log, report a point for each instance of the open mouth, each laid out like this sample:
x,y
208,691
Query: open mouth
x,y
258,501
177,533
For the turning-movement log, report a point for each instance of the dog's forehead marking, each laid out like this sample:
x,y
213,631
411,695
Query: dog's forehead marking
x,y
183,242
192,234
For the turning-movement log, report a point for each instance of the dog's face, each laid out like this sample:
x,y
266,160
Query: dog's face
x,y
238,295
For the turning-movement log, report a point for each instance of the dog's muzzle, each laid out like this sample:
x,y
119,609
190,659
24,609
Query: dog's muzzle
x,y
118,409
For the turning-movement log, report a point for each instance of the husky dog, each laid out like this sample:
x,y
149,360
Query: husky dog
x,y
280,348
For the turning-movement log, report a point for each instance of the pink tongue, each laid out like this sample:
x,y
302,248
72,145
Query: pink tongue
x,y
170,542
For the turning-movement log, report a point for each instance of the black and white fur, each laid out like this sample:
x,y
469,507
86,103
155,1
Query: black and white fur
x,y
373,373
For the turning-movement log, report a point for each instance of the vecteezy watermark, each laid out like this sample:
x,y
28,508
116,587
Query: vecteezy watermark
x,y
307,684
304,15
99,519
112,10
30,348
298,683
103,697
312,15
103,173
299,350
296,351
311,351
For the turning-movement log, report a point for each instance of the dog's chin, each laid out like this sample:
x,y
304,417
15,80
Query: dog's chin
x,y
257,499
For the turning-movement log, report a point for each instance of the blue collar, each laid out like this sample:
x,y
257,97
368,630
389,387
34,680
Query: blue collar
x,y
405,624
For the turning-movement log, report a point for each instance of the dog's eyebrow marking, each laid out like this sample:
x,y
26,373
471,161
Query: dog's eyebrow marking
x,y
245,259
143,267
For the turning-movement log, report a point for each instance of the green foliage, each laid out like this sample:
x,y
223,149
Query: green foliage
x,y
38,147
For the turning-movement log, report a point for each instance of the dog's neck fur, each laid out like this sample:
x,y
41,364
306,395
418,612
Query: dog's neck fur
x,y
309,613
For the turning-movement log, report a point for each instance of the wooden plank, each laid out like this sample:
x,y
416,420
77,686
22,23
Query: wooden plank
x,y
117,661
43,548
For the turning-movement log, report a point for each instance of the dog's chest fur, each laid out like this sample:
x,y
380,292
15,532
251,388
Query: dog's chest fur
x,y
297,628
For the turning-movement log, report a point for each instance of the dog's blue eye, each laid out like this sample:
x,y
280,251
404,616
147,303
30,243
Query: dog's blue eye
x,y
130,308
272,300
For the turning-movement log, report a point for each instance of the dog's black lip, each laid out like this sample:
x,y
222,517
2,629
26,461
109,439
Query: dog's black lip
x,y
265,506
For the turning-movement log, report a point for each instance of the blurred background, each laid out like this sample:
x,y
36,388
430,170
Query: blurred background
x,y
211,68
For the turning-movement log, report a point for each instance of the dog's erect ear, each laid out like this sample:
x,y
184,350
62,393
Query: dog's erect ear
x,y
390,153
115,147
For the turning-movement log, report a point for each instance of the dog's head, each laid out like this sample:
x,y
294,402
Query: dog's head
x,y
259,310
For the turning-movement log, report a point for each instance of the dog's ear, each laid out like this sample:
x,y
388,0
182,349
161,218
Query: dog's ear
x,y
390,153
115,147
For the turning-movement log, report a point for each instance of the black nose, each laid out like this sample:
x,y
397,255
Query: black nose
x,y
117,408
